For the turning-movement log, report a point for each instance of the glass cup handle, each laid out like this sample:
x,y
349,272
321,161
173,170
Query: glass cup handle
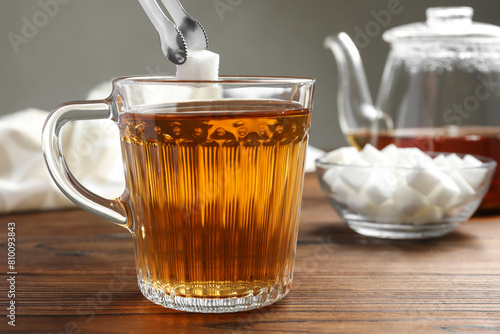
x,y
114,210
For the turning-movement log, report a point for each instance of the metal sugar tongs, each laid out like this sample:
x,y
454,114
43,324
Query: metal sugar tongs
x,y
177,36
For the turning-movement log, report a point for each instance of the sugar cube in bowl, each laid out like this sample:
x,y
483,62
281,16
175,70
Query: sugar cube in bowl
x,y
403,193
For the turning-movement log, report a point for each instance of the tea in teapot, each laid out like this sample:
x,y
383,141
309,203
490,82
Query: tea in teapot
x,y
440,90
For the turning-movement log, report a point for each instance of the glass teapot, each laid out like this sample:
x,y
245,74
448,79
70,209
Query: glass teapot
x,y
440,90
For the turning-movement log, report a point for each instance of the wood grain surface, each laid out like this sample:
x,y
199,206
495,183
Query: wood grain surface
x,y
76,274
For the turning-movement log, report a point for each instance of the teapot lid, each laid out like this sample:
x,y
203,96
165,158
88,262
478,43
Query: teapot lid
x,y
445,23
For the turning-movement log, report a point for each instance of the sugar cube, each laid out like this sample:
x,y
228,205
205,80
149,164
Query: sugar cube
x,y
387,213
454,160
373,156
200,65
338,188
356,174
341,191
408,201
428,214
441,161
424,180
472,161
474,176
343,155
446,193
206,93
382,187
465,188
391,152
360,204
413,157
332,174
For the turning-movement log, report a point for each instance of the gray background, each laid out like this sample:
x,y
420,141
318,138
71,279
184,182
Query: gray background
x,y
90,41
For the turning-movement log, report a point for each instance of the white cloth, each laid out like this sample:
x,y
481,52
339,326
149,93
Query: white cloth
x,y
312,154
25,183
92,152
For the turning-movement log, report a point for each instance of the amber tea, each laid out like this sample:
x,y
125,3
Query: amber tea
x,y
218,197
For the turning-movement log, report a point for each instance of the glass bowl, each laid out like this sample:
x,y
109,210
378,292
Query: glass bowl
x,y
407,202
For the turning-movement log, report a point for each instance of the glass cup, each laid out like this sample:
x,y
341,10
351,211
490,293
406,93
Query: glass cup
x,y
214,175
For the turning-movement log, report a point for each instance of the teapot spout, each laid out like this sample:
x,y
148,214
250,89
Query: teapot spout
x,y
357,114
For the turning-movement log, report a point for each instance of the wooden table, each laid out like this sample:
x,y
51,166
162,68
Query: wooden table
x,y
76,274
